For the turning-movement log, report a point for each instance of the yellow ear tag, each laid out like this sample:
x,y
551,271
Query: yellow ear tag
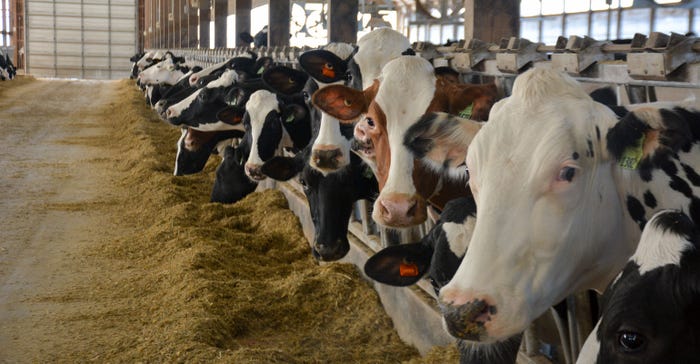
x,y
467,112
408,270
328,71
633,155
261,70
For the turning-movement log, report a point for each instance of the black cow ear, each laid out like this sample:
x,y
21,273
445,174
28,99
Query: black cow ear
x,y
293,112
399,265
231,115
263,64
282,168
285,80
323,65
408,52
234,97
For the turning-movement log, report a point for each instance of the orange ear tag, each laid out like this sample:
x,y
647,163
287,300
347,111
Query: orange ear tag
x,y
328,71
408,270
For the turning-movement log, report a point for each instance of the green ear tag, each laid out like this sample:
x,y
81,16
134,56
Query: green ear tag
x,y
632,155
290,118
467,112
367,173
261,70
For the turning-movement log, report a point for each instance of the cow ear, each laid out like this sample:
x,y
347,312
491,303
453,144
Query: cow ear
x,y
282,168
285,80
344,102
323,65
234,96
441,139
399,265
292,112
231,115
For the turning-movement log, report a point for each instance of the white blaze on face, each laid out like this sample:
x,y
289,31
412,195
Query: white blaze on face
x,y
260,104
407,87
539,235
659,247
376,49
459,235
227,79
180,142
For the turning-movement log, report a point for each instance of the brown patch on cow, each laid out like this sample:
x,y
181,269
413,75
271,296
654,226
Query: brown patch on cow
x,y
651,142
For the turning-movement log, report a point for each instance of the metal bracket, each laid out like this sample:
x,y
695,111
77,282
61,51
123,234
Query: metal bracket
x,y
660,56
578,54
517,53
471,56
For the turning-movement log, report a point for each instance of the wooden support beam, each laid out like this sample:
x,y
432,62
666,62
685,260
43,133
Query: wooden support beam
x,y
204,18
177,24
242,12
192,22
342,21
220,13
491,20
278,29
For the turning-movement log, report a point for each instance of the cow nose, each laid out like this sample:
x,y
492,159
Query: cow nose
x,y
398,210
193,80
253,171
327,158
329,252
467,321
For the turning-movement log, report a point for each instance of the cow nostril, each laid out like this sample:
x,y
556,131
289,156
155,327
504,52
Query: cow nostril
x,y
384,210
168,113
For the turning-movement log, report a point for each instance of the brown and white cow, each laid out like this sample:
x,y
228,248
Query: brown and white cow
x,y
563,189
407,89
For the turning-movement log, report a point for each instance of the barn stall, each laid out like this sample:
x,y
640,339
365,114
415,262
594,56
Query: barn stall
x,y
658,70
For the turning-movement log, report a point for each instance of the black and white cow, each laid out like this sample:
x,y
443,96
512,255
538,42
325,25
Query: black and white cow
x,y
574,185
199,109
134,67
330,197
7,68
231,183
651,312
168,71
194,148
437,257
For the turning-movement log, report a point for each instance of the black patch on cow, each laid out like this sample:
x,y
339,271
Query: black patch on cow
x,y
414,139
680,185
649,199
270,135
675,222
575,156
690,173
324,65
625,134
636,211
645,169
231,183
694,209
590,152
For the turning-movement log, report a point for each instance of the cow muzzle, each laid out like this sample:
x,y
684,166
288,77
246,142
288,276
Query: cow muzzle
x,y
330,252
327,158
467,321
253,172
399,210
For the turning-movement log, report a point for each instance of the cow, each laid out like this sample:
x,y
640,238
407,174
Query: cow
x,y
166,72
331,197
7,69
134,67
437,257
194,148
246,61
231,183
651,311
408,89
199,109
574,185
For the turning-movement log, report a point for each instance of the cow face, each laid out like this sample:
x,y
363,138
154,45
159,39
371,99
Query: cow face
x,y
330,196
194,148
543,167
652,310
199,109
264,125
164,72
231,183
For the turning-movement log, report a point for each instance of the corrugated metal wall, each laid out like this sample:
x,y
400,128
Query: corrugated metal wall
x,y
90,39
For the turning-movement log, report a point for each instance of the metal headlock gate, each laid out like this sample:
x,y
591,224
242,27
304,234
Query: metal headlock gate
x,y
80,38
657,65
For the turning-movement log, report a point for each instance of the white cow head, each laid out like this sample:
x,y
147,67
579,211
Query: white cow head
x,y
547,204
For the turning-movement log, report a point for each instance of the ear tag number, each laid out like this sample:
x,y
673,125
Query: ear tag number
x,y
633,155
467,112
328,71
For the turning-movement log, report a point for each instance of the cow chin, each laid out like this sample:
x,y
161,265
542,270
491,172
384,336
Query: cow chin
x,y
399,210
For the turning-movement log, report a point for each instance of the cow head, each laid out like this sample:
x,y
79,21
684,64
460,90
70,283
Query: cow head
x,y
231,183
330,196
652,310
194,148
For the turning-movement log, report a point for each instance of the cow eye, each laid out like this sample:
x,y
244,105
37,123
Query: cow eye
x,y
630,341
566,174
306,95
370,122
